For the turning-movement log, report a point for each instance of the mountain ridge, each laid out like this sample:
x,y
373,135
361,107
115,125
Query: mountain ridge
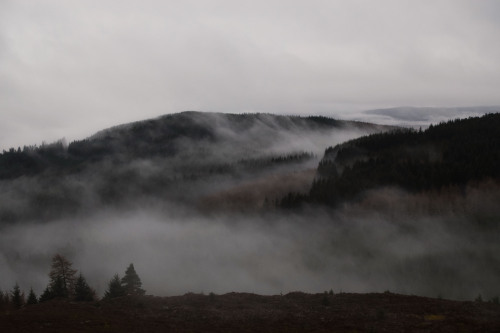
x,y
201,153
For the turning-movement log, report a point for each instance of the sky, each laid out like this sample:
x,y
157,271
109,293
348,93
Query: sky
x,y
71,68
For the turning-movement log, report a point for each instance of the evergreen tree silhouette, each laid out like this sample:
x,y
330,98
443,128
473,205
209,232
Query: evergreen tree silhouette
x,y
58,288
115,288
17,298
32,299
131,282
83,292
46,295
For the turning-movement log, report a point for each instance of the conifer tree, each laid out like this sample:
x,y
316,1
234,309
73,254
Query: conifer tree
x,y
58,289
46,295
115,288
83,292
17,298
131,282
4,299
32,299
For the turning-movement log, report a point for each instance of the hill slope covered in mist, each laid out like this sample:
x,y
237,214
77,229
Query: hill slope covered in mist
x,y
191,157
190,199
451,154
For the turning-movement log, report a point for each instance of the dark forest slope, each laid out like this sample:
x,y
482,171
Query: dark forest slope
x,y
448,154
179,158
168,136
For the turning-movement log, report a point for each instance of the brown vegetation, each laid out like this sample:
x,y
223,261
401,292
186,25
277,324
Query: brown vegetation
x,y
240,312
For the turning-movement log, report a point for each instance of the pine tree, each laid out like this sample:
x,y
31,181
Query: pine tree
x,y
32,299
58,289
62,277
46,295
4,299
83,292
17,298
131,282
115,288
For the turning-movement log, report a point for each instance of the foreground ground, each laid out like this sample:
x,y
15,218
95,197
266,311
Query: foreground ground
x,y
240,312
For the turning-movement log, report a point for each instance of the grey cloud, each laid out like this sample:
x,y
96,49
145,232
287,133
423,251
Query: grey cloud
x,y
88,65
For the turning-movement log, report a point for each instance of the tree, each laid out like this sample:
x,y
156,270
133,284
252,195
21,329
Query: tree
x,y
17,298
115,288
83,292
62,277
46,295
58,289
4,299
131,282
32,299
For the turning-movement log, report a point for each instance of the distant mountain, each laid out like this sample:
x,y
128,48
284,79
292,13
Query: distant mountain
x,y
191,157
421,116
181,134
454,153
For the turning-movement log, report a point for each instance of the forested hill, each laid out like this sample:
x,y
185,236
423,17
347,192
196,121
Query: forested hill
x,y
190,158
167,136
448,154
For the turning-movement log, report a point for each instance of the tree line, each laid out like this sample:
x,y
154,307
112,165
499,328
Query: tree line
x,y
66,284
451,153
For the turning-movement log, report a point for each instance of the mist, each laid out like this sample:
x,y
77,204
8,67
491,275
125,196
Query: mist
x,y
188,229
176,251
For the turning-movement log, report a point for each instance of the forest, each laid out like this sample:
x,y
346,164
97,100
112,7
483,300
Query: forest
x,y
449,154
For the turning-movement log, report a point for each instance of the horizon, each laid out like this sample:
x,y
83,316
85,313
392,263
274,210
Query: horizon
x,y
369,116
70,69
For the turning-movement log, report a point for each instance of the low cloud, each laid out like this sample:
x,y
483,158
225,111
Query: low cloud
x,y
353,250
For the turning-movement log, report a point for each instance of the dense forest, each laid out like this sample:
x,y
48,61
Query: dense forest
x,y
452,153
180,158
152,138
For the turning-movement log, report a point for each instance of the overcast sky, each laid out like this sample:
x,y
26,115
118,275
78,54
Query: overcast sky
x,y
71,68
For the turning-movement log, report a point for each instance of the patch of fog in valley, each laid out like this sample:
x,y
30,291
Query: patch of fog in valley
x,y
115,214
176,252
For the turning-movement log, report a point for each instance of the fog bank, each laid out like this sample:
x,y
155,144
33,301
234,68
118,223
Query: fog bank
x,y
179,253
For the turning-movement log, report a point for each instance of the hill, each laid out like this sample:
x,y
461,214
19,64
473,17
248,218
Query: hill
x,y
451,154
415,212
186,158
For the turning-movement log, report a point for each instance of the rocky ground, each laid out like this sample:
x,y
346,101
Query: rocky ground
x,y
241,312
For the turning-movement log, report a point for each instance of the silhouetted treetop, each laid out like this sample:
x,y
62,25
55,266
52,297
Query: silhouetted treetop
x,y
131,282
62,277
115,288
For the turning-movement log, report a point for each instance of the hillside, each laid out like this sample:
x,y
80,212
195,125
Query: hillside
x,y
293,312
186,158
414,212
451,154
186,133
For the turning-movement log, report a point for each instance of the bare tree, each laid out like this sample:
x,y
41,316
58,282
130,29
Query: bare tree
x,y
62,277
